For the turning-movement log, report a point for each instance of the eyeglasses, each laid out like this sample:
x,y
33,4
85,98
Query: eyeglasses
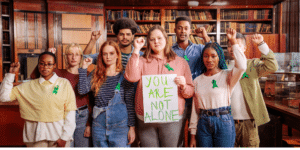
x,y
46,65
71,55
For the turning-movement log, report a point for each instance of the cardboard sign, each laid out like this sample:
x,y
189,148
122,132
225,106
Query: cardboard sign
x,y
160,98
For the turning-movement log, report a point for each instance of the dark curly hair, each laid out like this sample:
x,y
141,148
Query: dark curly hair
x,y
222,64
125,23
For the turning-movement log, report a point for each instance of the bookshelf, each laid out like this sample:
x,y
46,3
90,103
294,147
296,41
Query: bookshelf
x,y
247,19
6,36
144,17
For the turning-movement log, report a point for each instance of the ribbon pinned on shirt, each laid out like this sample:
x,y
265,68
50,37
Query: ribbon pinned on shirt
x,y
118,87
214,82
186,58
55,89
169,67
245,75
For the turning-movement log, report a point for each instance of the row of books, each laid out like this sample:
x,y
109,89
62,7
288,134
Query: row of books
x,y
223,40
5,24
194,15
247,27
144,28
198,40
133,14
170,26
246,14
209,27
5,38
5,9
6,53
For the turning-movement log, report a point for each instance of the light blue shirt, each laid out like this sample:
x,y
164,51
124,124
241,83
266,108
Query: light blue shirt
x,y
193,53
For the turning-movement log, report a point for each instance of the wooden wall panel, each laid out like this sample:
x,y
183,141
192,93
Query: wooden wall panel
x,y
76,21
75,7
19,20
252,50
80,37
290,24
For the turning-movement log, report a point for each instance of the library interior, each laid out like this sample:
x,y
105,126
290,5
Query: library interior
x,y
30,27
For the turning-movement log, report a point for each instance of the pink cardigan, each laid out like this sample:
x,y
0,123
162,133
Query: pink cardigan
x,y
139,66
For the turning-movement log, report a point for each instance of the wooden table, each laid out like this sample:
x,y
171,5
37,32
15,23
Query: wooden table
x,y
289,116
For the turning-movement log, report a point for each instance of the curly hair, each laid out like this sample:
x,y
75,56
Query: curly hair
x,y
99,75
125,23
222,64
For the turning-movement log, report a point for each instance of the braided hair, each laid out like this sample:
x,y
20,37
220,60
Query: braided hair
x,y
222,64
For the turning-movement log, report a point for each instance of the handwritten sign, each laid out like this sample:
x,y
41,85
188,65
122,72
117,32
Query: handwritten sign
x,y
160,98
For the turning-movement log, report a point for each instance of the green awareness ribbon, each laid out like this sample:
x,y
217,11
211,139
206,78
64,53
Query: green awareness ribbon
x,y
186,58
118,87
214,82
168,67
55,89
245,75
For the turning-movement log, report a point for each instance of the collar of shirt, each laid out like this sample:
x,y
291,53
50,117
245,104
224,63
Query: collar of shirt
x,y
177,46
51,80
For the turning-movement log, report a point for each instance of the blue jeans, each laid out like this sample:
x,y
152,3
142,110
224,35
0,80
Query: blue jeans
x,y
78,136
216,131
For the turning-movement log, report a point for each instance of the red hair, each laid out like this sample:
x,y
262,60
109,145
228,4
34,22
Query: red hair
x,y
99,76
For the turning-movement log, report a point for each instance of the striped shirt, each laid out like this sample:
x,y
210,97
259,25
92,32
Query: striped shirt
x,y
106,92
124,59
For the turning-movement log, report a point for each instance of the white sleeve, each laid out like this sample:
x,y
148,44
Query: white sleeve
x,y
69,126
6,87
264,48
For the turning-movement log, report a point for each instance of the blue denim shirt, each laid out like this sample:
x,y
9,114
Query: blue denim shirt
x,y
95,56
193,53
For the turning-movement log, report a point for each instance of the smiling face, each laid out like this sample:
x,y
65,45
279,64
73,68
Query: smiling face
x,y
110,55
46,66
74,57
210,59
125,37
157,41
183,31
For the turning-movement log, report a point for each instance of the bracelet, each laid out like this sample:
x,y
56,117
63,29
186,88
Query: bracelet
x,y
261,43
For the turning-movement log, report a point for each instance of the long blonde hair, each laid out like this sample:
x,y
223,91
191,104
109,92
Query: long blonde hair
x,y
68,51
99,76
170,54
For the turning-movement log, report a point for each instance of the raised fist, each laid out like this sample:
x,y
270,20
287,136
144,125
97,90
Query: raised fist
x,y
86,62
14,67
257,38
201,32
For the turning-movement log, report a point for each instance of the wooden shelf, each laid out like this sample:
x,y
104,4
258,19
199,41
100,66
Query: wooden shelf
x,y
5,44
250,33
6,62
245,20
212,33
140,21
5,15
110,34
5,30
194,21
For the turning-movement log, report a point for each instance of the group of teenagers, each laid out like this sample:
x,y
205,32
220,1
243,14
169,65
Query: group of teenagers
x,y
74,107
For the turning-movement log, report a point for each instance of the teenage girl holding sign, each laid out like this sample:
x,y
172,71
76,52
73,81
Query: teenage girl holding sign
x,y
211,114
158,59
